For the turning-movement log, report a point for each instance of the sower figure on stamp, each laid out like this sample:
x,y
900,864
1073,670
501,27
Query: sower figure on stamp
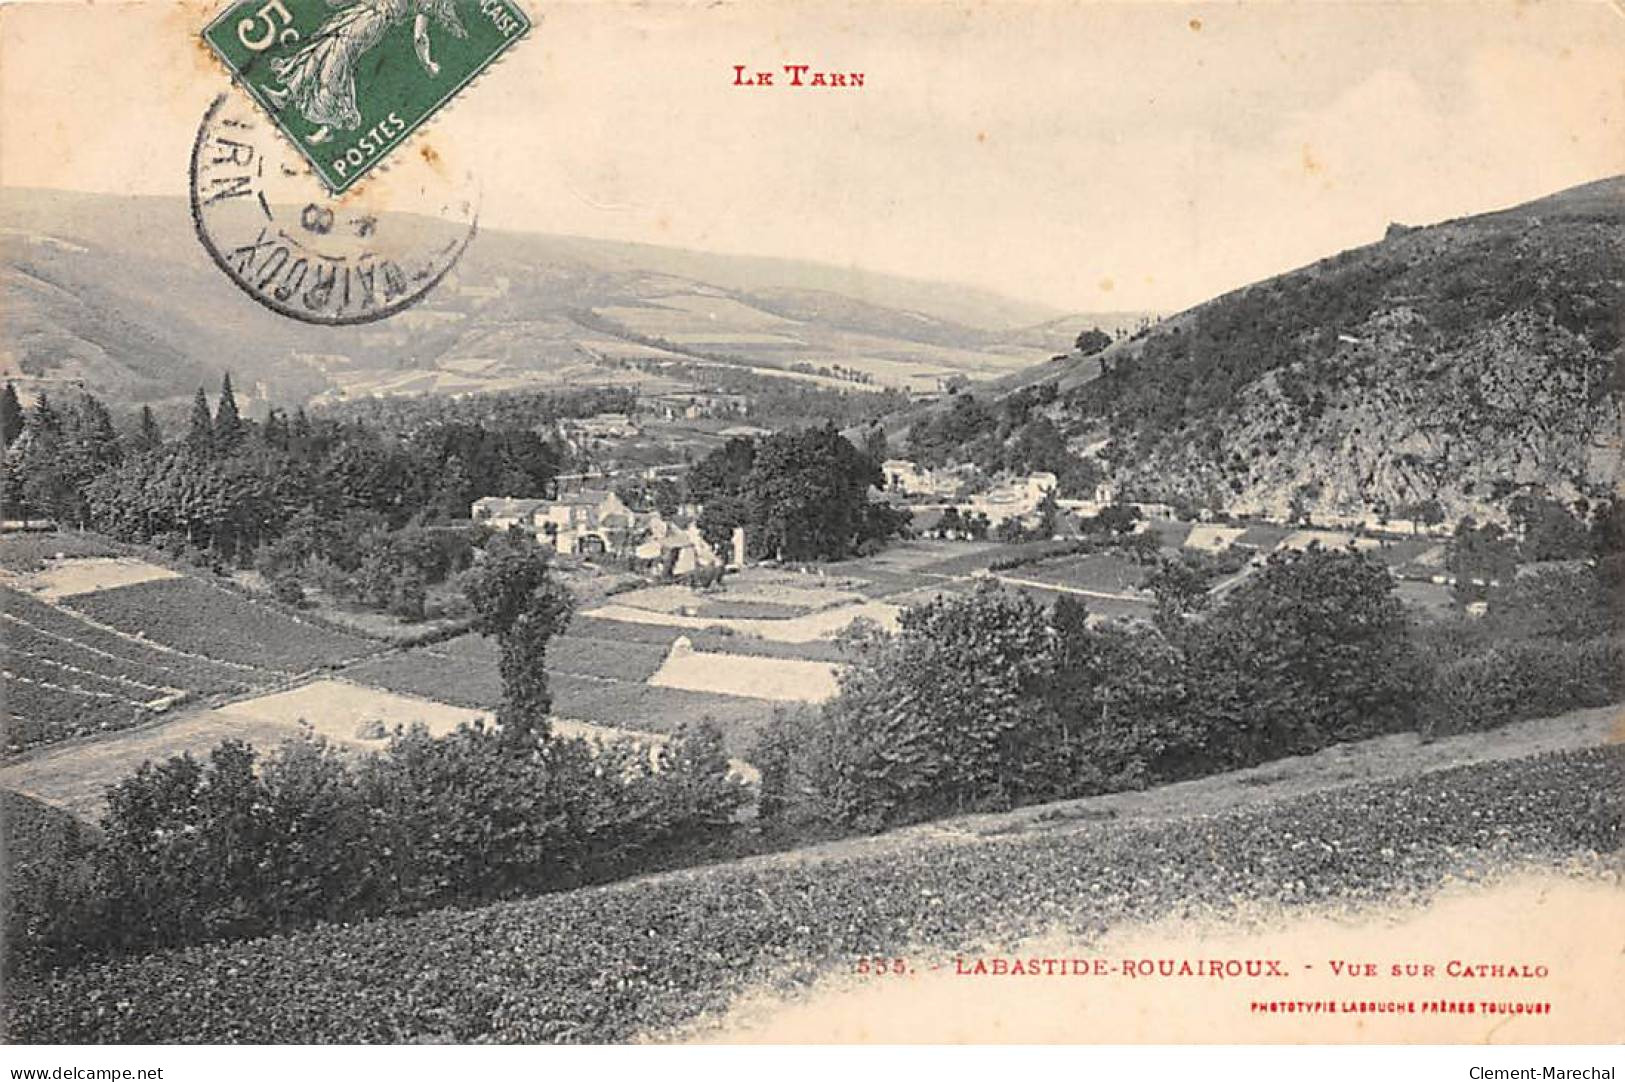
x,y
320,78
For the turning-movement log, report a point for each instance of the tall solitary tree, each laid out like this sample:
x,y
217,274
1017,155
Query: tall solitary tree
x,y
200,427
148,436
522,605
11,414
228,423
875,444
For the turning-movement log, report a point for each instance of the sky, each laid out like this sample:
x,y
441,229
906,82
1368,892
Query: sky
x,y
1085,156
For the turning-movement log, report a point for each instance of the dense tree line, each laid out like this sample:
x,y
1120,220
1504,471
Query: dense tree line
x,y
990,700
231,489
780,401
495,410
800,495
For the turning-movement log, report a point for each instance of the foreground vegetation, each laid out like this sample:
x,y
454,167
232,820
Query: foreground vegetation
x,y
609,964
991,700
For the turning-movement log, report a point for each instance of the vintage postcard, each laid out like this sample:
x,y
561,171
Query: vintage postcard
x,y
907,522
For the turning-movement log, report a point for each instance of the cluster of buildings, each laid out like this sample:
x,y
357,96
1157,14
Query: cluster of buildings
x,y
600,426
698,405
598,523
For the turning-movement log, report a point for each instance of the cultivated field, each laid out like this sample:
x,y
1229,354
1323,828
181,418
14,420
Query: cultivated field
x,y
775,679
25,552
190,614
68,675
87,575
599,680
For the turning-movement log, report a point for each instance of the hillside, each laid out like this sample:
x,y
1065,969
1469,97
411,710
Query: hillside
x,y
1456,363
115,292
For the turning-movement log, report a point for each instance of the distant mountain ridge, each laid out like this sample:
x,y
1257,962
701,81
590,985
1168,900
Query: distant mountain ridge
x,y
115,291
1446,367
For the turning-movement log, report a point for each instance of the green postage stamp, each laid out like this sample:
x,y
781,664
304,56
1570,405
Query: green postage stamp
x,y
349,80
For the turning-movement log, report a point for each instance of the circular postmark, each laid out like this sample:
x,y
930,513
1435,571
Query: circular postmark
x,y
277,232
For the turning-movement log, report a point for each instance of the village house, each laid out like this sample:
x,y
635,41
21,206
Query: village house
x,y
1017,499
597,523
577,523
601,426
678,547
909,479
693,407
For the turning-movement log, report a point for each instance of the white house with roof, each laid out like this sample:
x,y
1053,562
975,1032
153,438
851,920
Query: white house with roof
x,y
585,522
591,522
911,479
505,512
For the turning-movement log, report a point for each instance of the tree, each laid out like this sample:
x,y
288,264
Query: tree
x,y
1479,558
59,455
1118,518
800,495
519,603
148,436
1549,531
200,427
718,519
1092,341
11,415
228,423
723,471
945,716
945,434
700,793
1049,516
1181,590
807,494
875,444
1320,645
275,434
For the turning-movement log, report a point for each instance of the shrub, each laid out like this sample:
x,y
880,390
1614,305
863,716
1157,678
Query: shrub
x,y
1515,680
287,589
232,847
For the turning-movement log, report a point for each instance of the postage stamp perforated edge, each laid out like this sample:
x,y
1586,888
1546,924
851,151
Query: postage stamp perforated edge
x,y
394,144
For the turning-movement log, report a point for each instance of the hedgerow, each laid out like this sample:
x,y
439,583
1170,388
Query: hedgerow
x,y
241,845
614,963
1513,681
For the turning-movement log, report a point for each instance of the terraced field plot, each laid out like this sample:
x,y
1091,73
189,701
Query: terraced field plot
x,y
24,552
1100,608
776,679
811,627
198,617
1103,573
70,676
